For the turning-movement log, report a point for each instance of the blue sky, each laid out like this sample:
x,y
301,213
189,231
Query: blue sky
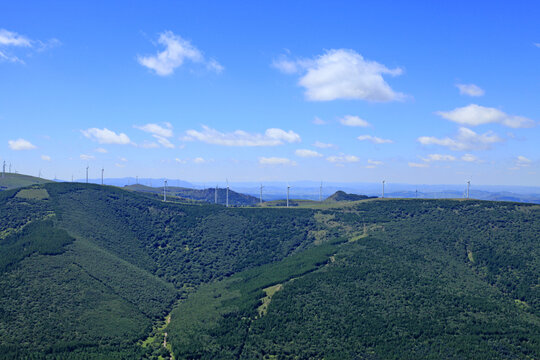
x,y
410,92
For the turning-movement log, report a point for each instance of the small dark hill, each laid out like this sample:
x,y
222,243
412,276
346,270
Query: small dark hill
x,y
343,196
206,195
14,181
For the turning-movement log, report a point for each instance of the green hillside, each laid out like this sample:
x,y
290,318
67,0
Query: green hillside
x,y
343,196
92,272
13,181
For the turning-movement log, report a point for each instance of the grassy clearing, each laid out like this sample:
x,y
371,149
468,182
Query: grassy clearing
x,y
269,291
33,194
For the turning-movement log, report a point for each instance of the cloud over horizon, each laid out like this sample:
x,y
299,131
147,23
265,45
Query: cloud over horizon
x,y
106,136
466,139
21,144
470,90
271,137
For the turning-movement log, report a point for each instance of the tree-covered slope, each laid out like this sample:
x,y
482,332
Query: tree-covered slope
x,y
12,181
416,279
87,269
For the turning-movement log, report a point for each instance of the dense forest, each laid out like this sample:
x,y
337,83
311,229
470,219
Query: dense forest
x,y
98,272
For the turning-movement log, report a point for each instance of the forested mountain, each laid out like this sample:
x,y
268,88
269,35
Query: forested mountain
x,y
206,195
343,196
92,271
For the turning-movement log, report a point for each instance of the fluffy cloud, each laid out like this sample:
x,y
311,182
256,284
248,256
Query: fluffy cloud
x,y
439,157
418,165
199,160
276,161
271,137
318,121
522,161
45,157
466,139
474,115
176,51
106,136
164,131
20,144
350,120
470,89
322,145
342,158
86,157
537,45
307,153
101,150
164,141
373,164
341,74
469,158
9,38
374,139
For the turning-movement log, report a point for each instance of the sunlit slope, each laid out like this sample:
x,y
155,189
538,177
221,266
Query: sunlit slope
x,y
87,270
416,279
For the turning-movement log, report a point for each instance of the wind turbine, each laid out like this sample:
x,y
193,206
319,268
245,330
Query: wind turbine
x,y
165,190
468,187
215,195
87,174
383,188
260,199
288,188
227,202
320,193
102,170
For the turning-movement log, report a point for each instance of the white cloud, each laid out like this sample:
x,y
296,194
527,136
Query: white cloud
x,y
466,139
271,137
470,89
349,120
522,161
469,158
119,165
177,50
101,150
322,145
474,115
307,153
149,145
45,157
374,162
418,165
318,121
342,158
180,161
199,160
439,157
374,139
342,74
164,141
106,136
276,161
9,38
537,45
123,159
86,157
20,144
156,129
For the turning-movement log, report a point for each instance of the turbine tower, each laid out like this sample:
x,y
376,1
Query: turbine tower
x,y
260,198
215,195
227,201
102,170
87,174
288,188
383,188
165,190
320,193
468,187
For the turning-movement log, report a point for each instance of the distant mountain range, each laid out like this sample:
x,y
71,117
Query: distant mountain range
x,y
304,190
